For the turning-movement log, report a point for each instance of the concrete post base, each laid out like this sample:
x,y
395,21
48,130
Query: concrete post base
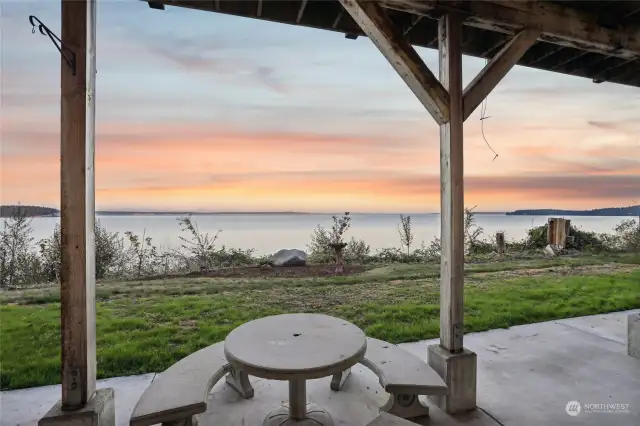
x,y
633,335
99,411
458,370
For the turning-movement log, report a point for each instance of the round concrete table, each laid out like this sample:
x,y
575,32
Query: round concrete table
x,y
296,347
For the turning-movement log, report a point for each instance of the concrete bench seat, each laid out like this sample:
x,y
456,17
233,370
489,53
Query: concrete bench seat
x,y
403,375
180,392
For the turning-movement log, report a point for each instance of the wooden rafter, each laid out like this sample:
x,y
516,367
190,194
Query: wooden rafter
x,y
303,5
496,69
559,25
373,20
414,21
493,47
567,61
337,20
548,51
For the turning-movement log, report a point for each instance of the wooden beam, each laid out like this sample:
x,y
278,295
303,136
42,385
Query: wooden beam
x,y
414,21
606,73
549,51
560,25
77,213
487,79
405,60
303,5
337,20
567,61
451,188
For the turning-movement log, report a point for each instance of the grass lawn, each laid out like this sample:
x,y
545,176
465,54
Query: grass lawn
x,y
145,326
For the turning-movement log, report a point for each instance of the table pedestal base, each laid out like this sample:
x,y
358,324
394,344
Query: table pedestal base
x,y
316,416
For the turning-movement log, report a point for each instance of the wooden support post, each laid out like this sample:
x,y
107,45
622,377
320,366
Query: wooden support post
x,y
496,69
452,188
77,275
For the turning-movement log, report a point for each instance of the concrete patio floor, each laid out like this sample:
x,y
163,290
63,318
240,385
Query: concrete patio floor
x,y
526,376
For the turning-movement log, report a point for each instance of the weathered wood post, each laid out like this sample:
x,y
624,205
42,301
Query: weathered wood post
x,y
557,232
338,247
500,243
449,105
77,144
80,402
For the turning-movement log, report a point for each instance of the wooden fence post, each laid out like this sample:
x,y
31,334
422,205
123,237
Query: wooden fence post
x,y
500,243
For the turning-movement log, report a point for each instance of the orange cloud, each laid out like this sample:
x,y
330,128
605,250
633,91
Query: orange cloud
x,y
165,165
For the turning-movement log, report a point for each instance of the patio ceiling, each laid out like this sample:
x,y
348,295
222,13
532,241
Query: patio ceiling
x,y
599,40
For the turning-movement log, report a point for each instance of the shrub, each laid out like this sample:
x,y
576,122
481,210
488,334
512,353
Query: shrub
x,y
430,253
51,255
199,246
473,242
201,249
357,251
18,264
319,247
577,239
626,236
226,257
109,253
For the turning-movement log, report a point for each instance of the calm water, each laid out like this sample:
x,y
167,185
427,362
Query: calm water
x,y
269,233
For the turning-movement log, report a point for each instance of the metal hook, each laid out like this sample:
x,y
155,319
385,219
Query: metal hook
x,y
64,50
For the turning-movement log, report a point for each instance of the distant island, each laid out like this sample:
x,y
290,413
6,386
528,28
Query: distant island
x,y
176,213
39,211
609,211
29,211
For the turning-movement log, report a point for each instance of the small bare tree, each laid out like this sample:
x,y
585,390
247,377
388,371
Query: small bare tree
x,y
404,230
201,246
143,251
472,232
340,226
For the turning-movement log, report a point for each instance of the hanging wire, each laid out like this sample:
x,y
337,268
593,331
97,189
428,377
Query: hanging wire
x,y
483,116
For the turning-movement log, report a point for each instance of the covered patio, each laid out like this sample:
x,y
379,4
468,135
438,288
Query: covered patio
x,y
525,378
595,40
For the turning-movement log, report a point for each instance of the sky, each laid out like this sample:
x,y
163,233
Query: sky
x,y
206,112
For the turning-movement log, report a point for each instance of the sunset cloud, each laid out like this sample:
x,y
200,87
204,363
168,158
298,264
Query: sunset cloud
x,y
241,114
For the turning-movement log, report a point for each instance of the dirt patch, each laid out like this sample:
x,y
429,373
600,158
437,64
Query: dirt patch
x,y
561,270
187,324
279,272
